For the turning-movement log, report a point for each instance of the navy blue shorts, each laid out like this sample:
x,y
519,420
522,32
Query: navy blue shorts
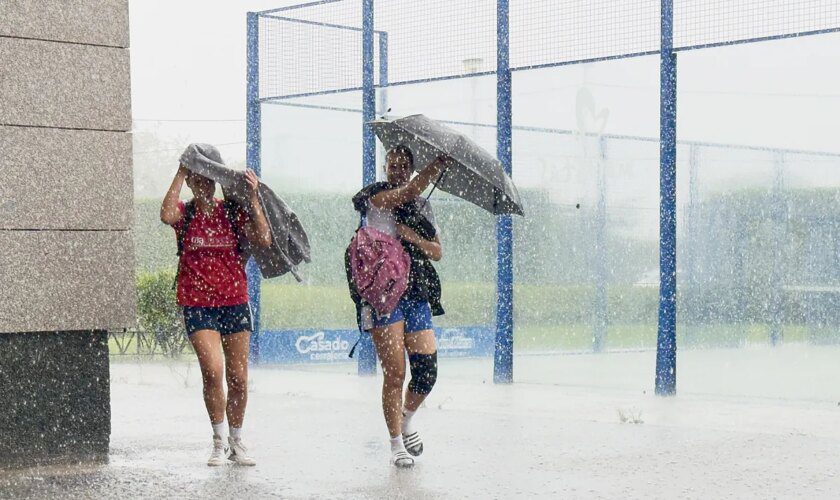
x,y
224,319
417,316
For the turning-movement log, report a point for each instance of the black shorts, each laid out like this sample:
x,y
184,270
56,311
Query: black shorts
x,y
224,319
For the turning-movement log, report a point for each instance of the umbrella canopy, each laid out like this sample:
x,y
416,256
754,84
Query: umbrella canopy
x,y
289,242
473,174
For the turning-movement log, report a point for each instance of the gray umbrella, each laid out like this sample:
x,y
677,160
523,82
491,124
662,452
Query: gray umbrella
x,y
474,175
289,243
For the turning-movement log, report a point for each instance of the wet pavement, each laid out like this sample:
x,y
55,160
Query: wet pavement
x,y
318,433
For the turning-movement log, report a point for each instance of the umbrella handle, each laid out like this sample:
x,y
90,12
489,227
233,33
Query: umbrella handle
x,y
434,186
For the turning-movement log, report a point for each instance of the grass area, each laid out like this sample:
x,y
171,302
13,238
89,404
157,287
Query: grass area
x,y
291,305
729,335
578,337
636,335
546,317
127,346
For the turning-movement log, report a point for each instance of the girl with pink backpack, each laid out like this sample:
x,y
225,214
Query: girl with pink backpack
x,y
396,290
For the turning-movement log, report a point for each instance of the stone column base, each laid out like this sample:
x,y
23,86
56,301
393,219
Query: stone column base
x,y
55,394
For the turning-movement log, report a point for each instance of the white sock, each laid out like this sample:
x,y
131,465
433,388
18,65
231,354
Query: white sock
x,y
218,429
397,444
235,432
406,422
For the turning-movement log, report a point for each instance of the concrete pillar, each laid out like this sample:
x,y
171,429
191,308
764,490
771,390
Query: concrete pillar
x,y
66,250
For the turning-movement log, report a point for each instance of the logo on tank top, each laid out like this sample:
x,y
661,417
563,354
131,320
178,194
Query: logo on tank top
x,y
212,242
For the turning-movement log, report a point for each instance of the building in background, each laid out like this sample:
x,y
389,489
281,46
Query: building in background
x,y
66,252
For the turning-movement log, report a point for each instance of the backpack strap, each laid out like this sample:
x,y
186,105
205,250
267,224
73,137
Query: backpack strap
x,y
353,349
189,214
230,208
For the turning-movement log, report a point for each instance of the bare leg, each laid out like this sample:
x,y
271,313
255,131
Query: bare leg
x,y
208,348
236,347
390,347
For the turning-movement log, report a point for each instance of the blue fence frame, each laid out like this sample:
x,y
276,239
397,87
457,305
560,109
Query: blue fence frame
x,y
665,371
253,132
503,355
666,339
367,354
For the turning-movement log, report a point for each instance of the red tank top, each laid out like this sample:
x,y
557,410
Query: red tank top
x,y
211,273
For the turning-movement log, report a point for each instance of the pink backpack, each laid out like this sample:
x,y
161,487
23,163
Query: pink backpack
x,y
379,267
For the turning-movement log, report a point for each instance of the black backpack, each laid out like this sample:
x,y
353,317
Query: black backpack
x,y
189,213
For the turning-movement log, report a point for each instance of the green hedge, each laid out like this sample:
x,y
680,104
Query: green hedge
x,y
158,313
728,250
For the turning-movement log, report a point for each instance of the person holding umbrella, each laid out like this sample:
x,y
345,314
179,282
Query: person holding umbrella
x,y
472,173
396,208
457,165
212,289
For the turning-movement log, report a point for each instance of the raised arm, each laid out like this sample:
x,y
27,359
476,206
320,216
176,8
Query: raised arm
x,y
396,197
257,231
169,213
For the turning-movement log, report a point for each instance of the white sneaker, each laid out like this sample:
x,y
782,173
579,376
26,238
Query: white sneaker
x,y
217,456
238,453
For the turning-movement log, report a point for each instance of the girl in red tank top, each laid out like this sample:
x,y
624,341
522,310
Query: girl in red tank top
x,y
213,291
210,270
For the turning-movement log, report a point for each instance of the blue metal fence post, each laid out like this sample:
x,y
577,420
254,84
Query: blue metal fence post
x,y
666,343
503,360
599,333
367,354
252,160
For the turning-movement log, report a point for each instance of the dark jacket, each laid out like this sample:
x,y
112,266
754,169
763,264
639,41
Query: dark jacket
x,y
423,279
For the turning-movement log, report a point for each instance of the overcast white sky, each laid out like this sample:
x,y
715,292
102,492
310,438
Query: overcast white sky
x,y
188,84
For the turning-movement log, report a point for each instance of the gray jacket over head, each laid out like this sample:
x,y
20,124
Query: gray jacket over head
x,y
289,243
